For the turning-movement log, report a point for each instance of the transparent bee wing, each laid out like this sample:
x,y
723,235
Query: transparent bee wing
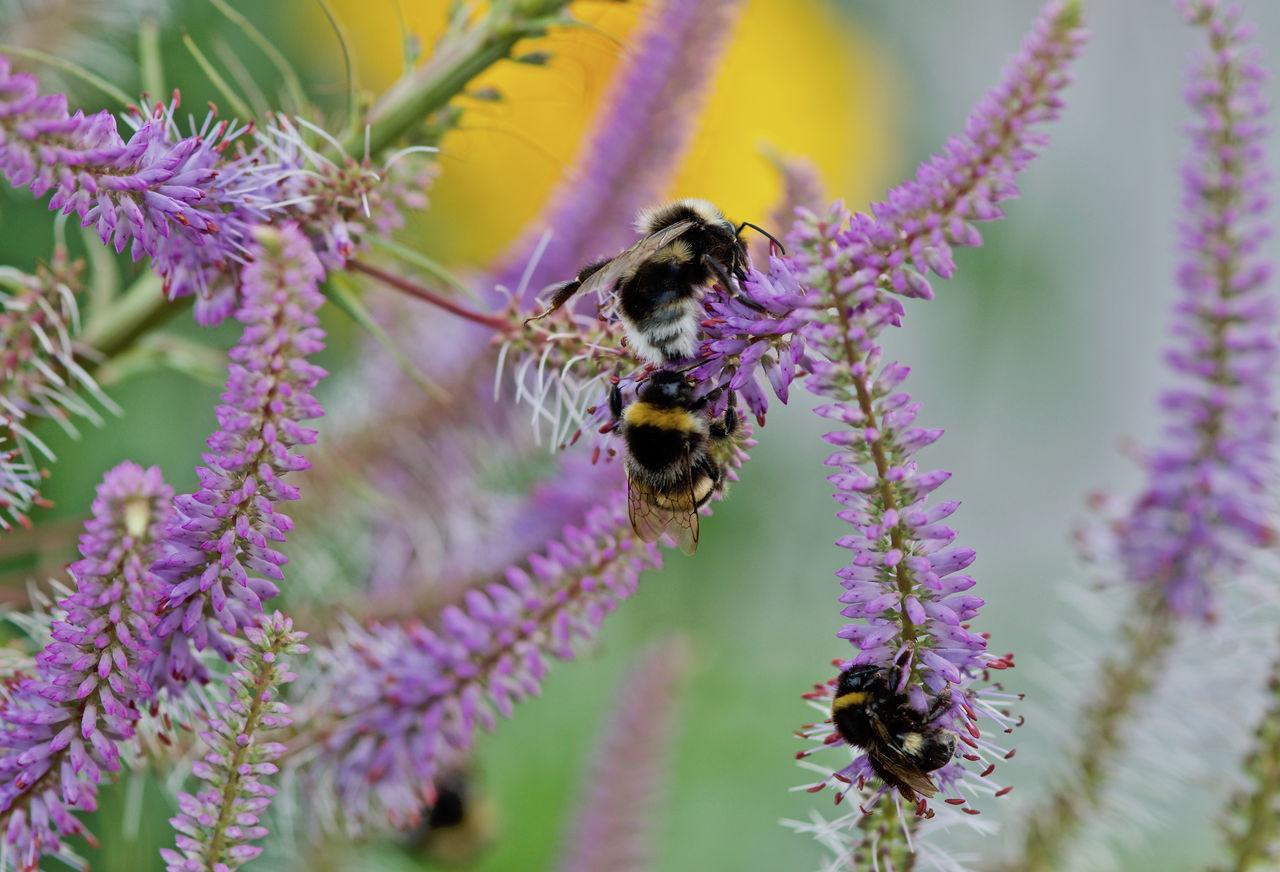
x,y
896,767
648,519
607,273
653,513
628,261
684,529
685,524
904,775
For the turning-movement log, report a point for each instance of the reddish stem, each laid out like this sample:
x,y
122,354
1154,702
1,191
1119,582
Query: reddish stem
x,y
415,290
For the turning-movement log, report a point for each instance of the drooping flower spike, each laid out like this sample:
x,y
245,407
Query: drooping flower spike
x,y
395,703
904,585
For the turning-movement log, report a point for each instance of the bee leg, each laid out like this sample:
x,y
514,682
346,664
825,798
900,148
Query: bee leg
x,y
615,402
941,703
566,290
562,295
733,287
728,425
721,276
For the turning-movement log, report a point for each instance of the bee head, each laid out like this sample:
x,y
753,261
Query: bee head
x,y
666,388
857,679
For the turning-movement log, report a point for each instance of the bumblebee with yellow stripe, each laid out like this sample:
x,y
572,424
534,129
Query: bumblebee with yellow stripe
x,y
659,281
670,470
902,744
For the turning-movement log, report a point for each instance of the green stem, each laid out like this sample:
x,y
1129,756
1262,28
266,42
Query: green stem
x,y
1126,679
881,460
150,60
132,314
69,67
265,680
1255,840
451,68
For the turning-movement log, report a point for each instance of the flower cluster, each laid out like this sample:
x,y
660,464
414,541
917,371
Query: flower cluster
x,y
189,202
1208,505
63,728
218,566
216,825
39,374
903,583
153,194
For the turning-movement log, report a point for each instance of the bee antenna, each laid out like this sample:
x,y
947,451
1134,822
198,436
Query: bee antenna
x,y
772,238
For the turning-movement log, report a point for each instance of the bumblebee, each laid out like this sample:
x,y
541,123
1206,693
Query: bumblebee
x,y
670,470
459,825
659,281
902,744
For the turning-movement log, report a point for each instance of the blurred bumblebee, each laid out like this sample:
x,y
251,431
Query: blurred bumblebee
x,y
902,744
671,472
459,825
660,280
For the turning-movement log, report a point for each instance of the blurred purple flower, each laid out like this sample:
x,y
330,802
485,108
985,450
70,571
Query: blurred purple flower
x,y
218,566
1208,504
613,827
216,825
62,729
389,703
635,142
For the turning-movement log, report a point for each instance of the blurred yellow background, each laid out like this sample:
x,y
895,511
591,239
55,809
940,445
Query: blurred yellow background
x,y
797,78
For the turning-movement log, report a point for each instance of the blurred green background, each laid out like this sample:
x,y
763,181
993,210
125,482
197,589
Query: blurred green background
x,y
1040,359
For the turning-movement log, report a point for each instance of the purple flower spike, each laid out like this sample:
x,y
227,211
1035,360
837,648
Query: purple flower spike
x,y
904,586
1208,503
218,565
62,729
612,829
216,825
914,230
637,139
395,703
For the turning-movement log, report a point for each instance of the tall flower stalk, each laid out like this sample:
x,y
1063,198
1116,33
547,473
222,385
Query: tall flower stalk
x,y
63,729
904,584
1207,507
